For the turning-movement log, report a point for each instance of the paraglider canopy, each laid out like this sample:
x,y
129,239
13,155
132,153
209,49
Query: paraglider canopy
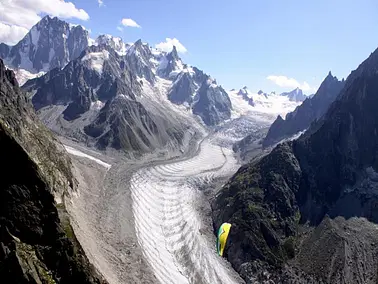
x,y
223,232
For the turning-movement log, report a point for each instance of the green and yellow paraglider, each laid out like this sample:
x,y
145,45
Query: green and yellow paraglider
x,y
223,232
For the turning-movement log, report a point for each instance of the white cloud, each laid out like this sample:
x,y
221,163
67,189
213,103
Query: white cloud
x,y
287,82
168,44
17,14
100,3
11,34
130,23
120,28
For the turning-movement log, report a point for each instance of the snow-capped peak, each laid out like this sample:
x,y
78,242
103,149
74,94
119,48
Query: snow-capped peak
x,y
114,42
245,101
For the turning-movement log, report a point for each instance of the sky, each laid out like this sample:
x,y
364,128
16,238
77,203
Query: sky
x,y
272,45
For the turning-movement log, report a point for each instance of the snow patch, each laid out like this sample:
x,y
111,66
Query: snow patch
x,y
23,75
97,60
268,104
78,153
97,105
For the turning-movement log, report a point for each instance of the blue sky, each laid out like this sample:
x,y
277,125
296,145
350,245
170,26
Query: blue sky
x,y
244,42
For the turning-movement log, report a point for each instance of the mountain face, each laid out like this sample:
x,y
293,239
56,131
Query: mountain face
x,y
213,105
312,109
50,43
97,93
295,95
36,239
200,92
306,213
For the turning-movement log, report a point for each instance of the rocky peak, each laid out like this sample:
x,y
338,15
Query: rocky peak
x,y
7,75
171,65
213,104
295,95
49,44
138,57
311,109
173,55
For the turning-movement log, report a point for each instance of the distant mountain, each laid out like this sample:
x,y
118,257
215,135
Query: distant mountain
x,y
312,109
245,101
37,242
50,43
306,213
295,95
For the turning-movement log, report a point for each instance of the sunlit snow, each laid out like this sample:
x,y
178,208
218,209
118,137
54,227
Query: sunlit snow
x,y
97,60
269,104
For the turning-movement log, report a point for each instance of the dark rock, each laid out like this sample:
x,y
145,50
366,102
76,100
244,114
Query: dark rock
x,y
213,105
183,89
306,213
34,245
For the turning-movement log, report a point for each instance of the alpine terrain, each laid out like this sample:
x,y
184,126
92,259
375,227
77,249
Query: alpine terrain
x,y
121,161
301,118
306,213
38,244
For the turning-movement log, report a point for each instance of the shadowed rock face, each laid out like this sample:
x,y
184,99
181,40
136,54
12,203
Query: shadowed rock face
x,y
213,105
307,212
310,110
37,244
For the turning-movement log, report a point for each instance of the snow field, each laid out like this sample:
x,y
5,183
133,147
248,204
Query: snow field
x,y
75,152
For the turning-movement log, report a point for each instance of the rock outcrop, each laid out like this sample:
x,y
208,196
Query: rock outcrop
x,y
36,239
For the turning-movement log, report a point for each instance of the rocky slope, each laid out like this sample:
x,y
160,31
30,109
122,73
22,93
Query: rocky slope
x,y
306,213
37,241
312,109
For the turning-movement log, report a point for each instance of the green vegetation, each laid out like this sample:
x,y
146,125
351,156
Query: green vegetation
x,y
31,263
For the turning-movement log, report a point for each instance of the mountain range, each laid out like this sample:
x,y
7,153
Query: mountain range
x,y
80,84
93,90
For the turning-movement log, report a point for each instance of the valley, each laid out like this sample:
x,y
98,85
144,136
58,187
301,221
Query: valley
x,y
123,163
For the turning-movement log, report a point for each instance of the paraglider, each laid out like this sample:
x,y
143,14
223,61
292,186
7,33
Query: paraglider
x,y
223,232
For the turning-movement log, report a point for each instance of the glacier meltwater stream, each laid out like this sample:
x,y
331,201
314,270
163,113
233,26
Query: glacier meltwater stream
x,y
168,224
